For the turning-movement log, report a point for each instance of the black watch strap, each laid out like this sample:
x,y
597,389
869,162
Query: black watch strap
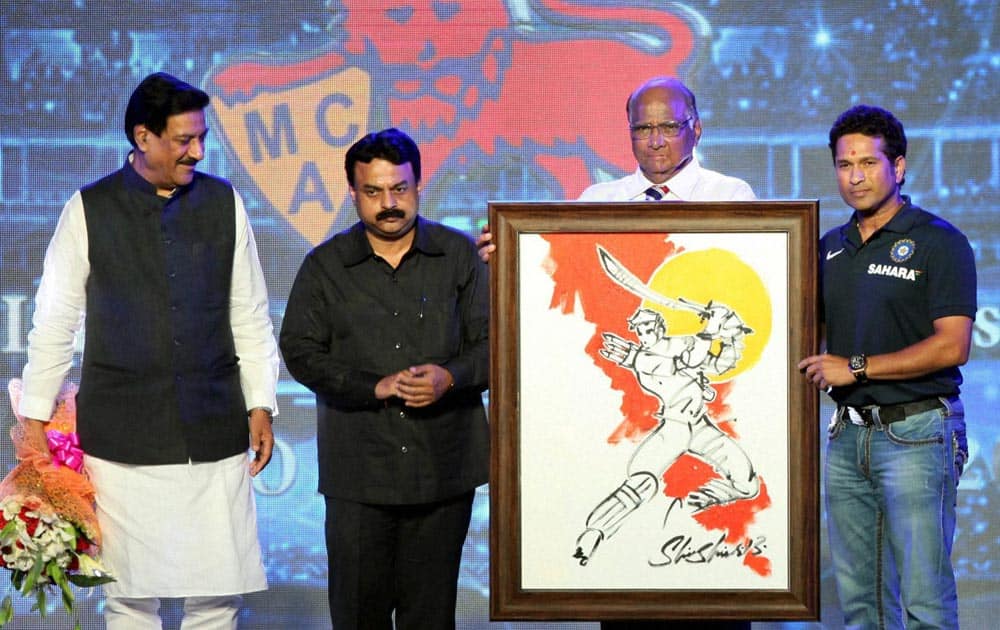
x,y
858,364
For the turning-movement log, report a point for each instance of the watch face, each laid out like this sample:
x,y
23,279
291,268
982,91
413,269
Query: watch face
x,y
858,362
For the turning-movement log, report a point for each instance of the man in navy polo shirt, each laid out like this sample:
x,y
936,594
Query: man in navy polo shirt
x,y
899,297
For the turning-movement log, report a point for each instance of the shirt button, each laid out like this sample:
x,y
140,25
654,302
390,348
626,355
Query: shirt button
x,y
168,241
402,414
172,274
395,313
398,346
404,450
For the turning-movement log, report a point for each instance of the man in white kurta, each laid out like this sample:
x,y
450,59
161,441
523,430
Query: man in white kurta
x,y
180,384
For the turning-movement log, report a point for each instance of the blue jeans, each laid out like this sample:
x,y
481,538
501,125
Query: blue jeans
x,y
890,499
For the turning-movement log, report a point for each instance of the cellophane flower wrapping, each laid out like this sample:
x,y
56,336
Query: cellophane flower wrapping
x,y
49,535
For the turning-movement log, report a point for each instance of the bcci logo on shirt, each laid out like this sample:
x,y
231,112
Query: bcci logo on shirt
x,y
902,250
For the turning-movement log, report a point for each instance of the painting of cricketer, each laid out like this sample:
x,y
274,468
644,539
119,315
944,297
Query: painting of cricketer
x,y
674,369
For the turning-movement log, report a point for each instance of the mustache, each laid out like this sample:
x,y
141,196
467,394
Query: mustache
x,y
390,213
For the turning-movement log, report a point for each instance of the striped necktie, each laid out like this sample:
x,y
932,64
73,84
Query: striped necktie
x,y
655,193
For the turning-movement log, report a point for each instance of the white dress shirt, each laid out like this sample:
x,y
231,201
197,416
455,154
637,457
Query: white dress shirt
x,y
691,183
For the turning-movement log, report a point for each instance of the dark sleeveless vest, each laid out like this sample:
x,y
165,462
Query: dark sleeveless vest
x,y
160,378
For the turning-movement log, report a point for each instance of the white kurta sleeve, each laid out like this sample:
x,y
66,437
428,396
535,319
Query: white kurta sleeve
x,y
250,319
60,304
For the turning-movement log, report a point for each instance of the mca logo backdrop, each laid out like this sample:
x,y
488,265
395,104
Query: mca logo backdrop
x,y
480,85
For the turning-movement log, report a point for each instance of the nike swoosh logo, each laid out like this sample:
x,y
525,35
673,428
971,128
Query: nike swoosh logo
x,y
832,255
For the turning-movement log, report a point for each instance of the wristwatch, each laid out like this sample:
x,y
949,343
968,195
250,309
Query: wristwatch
x,y
858,364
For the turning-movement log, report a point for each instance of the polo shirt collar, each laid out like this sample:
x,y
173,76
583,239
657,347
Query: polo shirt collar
x,y
901,223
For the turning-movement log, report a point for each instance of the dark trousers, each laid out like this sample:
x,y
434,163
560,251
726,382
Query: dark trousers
x,y
402,558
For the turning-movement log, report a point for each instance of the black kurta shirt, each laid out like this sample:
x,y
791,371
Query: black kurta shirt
x,y
352,319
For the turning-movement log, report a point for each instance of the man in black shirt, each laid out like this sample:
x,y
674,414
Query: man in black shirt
x,y
387,323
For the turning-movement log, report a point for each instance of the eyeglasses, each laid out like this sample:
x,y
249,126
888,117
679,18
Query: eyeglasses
x,y
669,129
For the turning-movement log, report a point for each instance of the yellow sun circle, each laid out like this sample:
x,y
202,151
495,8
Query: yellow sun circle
x,y
720,277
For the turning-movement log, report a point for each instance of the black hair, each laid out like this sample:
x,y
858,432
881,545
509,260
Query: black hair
x,y
156,99
390,144
873,122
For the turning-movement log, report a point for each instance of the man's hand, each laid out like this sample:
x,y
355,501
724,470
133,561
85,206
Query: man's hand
x,y
827,370
34,433
484,242
417,386
388,386
261,439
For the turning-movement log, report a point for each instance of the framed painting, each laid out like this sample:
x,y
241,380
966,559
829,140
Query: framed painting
x,y
655,449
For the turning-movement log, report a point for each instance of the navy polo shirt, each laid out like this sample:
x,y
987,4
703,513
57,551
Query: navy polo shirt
x,y
884,295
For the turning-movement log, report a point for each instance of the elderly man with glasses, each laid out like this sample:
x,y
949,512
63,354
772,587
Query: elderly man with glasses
x,y
665,129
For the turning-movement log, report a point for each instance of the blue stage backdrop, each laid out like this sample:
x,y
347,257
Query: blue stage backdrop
x,y
508,99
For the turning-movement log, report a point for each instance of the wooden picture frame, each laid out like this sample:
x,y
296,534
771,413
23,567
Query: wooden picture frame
x,y
655,449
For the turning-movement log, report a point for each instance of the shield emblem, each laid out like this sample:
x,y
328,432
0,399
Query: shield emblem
x,y
291,140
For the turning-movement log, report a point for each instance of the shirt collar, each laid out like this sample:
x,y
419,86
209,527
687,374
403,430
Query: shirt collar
x,y
903,221
134,180
681,184
357,249
137,182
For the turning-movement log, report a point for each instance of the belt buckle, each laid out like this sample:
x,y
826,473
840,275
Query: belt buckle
x,y
855,416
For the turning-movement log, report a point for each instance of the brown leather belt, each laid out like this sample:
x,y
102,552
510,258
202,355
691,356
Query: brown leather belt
x,y
887,414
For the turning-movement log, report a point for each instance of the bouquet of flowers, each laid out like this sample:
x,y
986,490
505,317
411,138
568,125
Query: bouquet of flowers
x,y
49,536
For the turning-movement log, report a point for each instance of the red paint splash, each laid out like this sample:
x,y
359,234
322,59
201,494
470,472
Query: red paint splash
x,y
578,276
